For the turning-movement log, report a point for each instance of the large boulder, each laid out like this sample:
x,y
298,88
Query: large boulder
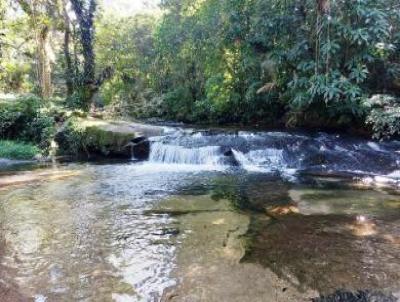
x,y
98,138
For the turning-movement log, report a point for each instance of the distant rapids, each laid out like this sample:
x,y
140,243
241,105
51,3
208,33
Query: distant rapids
x,y
278,152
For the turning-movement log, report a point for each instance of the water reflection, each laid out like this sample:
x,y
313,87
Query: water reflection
x,y
89,235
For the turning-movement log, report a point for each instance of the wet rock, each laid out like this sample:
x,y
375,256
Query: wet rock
x,y
255,195
229,157
140,148
362,227
167,231
208,260
315,172
10,293
9,290
227,152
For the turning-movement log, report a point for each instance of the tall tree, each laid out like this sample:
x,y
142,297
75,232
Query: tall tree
x,y
39,12
69,69
85,13
2,26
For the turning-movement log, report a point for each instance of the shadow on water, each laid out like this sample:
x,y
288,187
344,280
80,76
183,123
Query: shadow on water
x,y
324,237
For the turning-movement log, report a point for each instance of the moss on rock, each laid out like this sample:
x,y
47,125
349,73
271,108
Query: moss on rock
x,y
93,137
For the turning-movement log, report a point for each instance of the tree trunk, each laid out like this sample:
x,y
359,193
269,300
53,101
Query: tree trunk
x,y
85,17
69,71
2,28
90,85
43,47
44,62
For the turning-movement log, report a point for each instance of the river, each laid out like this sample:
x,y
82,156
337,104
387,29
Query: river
x,y
210,216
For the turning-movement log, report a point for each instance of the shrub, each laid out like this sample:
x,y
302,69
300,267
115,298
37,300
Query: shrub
x,y
26,119
71,138
17,150
384,116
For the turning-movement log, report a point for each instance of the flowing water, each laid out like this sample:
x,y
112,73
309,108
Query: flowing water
x,y
210,216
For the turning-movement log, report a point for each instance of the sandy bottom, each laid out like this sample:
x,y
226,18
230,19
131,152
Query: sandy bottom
x,y
22,178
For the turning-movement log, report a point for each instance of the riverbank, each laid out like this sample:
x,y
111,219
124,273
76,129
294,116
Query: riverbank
x,y
13,154
52,130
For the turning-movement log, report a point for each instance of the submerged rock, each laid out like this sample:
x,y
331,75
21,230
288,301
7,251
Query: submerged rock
x,y
208,258
360,296
321,252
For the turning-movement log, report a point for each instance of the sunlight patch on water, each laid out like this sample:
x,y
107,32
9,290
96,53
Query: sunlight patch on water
x,y
84,236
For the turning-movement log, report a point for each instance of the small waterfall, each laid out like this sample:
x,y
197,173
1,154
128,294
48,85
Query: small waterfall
x,y
266,152
268,159
173,154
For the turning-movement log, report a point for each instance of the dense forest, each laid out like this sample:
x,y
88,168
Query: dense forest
x,y
326,64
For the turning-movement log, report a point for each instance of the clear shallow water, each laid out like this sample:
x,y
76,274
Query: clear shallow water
x,y
183,227
87,236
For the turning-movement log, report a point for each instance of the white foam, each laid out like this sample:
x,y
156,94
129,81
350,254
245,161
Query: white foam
x,y
149,167
173,154
394,174
265,160
246,163
374,146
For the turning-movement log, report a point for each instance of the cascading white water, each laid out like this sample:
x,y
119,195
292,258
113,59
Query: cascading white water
x,y
173,154
261,160
270,152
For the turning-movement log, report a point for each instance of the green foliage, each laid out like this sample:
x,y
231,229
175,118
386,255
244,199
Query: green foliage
x,y
274,62
126,44
17,150
16,53
15,77
78,100
384,116
26,119
254,61
70,139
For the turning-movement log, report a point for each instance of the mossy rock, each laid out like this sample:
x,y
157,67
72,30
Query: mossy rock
x,y
96,138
